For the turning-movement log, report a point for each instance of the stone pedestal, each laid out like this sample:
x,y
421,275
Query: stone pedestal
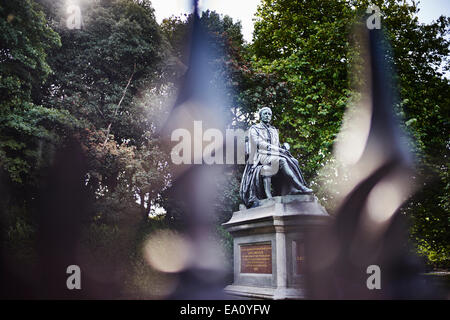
x,y
269,246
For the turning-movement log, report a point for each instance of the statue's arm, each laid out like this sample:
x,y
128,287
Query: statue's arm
x,y
284,146
257,140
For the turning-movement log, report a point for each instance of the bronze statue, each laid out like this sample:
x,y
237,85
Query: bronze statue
x,y
269,162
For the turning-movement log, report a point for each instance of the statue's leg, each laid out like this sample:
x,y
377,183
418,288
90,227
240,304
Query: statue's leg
x,y
270,168
267,184
296,182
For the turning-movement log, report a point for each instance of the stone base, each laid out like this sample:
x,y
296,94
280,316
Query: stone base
x,y
265,293
268,245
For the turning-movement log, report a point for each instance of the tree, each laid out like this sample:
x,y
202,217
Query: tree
x,y
311,52
309,43
247,89
102,75
26,128
117,53
94,86
29,132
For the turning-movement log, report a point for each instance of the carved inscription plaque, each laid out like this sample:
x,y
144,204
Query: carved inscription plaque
x,y
256,258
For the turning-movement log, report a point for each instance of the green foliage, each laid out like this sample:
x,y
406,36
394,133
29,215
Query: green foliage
x,y
228,198
107,84
308,44
95,84
101,237
26,128
247,87
25,40
19,238
222,28
419,52
103,74
119,43
312,46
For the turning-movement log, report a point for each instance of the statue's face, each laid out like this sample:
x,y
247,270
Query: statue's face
x,y
266,116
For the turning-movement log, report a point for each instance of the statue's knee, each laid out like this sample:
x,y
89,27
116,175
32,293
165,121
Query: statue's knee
x,y
283,163
266,171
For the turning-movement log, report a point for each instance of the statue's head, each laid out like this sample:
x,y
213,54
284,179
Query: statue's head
x,y
265,115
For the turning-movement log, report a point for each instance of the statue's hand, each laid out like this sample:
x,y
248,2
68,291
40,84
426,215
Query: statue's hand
x,y
285,149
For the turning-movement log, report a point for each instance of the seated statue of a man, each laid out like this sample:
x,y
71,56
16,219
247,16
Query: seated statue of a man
x,y
269,165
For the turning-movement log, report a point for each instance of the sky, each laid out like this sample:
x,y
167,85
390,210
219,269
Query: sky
x,y
244,10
